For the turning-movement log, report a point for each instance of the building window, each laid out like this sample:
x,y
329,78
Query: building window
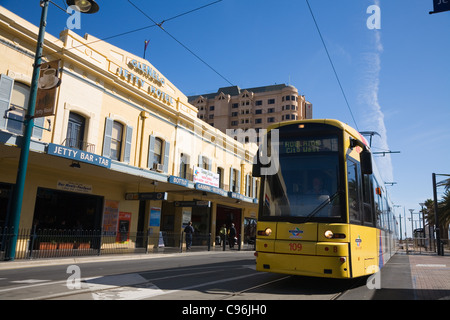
x,y
234,114
235,105
271,110
116,140
220,173
19,104
271,119
258,121
271,101
258,111
183,166
235,180
258,103
248,185
211,108
75,131
157,150
234,123
14,103
204,162
158,154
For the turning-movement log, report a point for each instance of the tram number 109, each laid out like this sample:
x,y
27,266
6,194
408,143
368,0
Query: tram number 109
x,y
293,246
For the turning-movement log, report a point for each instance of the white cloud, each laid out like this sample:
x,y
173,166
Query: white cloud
x,y
373,115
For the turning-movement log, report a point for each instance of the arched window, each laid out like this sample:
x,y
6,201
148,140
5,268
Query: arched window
x,y
75,131
157,151
116,140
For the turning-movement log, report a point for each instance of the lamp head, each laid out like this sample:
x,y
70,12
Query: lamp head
x,y
84,6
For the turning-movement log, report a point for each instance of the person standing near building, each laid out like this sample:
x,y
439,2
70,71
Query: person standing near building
x,y
189,231
232,236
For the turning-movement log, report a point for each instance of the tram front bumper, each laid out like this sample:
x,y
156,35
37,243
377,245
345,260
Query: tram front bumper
x,y
304,265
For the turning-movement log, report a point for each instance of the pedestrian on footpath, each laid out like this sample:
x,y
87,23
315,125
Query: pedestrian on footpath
x,y
232,236
189,231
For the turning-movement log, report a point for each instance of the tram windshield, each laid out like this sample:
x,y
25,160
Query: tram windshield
x,y
307,185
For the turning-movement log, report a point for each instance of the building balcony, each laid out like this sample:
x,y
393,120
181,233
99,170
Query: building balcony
x,y
78,144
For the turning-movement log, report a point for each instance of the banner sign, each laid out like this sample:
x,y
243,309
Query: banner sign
x,y
78,155
48,83
146,196
194,203
206,177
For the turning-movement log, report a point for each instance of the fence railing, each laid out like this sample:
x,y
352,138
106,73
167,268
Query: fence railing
x,y
424,245
49,243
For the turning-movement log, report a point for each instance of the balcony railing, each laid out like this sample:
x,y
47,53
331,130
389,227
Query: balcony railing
x,y
78,144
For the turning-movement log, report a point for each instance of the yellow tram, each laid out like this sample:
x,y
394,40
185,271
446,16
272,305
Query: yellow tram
x,y
323,209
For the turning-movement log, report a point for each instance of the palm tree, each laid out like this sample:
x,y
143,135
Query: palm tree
x,y
443,207
444,213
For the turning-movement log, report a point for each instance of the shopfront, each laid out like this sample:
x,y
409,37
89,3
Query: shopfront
x,y
56,209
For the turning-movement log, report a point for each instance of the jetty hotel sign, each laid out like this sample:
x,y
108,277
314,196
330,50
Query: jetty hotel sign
x,y
78,155
145,78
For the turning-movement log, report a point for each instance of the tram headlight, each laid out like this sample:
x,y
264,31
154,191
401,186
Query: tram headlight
x,y
328,234
265,232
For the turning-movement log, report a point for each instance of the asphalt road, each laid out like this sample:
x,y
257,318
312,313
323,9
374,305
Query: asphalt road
x,y
207,276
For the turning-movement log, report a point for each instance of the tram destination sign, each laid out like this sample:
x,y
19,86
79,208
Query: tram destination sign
x,y
78,155
309,145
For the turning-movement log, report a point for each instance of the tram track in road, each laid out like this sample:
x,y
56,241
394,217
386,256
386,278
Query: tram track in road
x,y
222,280
135,287
238,293
353,284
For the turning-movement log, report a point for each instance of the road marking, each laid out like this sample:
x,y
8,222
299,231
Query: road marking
x,y
122,287
29,281
431,265
195,286
32,285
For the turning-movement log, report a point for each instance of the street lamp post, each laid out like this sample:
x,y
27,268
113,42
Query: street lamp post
x,y
17,198
423,224
412,223
436,215
28,124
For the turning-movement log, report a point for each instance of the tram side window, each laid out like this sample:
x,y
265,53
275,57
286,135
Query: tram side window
x,y
368,200
353,192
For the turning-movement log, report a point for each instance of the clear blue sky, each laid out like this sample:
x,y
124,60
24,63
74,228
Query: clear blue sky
x,y
396,78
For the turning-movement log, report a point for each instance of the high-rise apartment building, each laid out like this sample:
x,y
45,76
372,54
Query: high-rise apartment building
x,y
236,108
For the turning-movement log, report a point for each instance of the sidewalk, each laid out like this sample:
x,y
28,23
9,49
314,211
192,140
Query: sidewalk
x,y
423,276
430,276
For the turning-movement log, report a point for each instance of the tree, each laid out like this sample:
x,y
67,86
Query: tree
x,y
443,207
444,213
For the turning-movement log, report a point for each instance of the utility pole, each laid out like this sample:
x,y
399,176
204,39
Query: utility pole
x,y
436,217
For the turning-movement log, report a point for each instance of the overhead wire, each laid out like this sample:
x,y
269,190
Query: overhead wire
x,y
178,41
142,28
332,65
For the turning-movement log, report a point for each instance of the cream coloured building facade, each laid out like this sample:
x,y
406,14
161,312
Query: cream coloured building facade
x,y
124,142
